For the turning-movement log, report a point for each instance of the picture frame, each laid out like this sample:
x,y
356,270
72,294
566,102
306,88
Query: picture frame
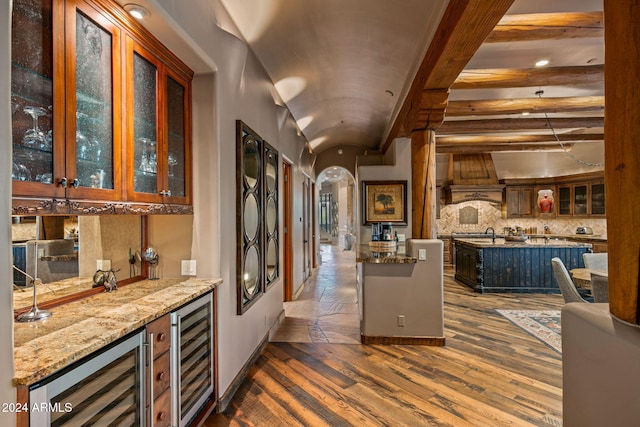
x,y
384,201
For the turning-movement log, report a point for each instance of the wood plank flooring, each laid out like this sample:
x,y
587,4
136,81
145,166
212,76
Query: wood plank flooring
x,y
490,373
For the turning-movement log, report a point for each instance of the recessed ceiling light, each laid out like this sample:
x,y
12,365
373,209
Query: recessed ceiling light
x,y
525,113
340,151
136,11
542,63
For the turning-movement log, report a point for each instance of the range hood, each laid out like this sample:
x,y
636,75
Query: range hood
x,y
472,177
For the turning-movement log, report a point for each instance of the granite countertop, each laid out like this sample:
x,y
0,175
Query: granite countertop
x,y
79,328
536,242
364,254
49,291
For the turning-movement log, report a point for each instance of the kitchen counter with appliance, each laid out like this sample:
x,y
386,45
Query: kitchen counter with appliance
x,y
82,327
523,267
366,255
400,298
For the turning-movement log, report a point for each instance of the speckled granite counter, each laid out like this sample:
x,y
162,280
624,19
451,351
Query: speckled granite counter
x,y
535,242
364,254
79,328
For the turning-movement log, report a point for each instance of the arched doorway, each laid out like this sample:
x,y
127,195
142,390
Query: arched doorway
x,y
337,202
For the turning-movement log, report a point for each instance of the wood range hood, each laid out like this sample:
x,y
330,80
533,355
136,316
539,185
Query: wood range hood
x,y
472,177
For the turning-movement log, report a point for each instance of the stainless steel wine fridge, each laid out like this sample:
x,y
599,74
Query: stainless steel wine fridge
x,y
105,390
192,353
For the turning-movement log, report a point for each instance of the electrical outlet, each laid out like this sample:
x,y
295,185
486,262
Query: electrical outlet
x,y
188,267
402,237
401,320
422,254
103,264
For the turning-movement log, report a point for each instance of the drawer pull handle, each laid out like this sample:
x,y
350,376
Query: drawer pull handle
x,y
162,337
162,415
160,376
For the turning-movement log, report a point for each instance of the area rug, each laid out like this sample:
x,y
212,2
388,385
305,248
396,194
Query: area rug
x,y
542,324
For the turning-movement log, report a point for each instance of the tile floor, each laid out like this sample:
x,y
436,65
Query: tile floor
x,y
326,310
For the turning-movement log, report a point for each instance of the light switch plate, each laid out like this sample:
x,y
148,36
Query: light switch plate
x,y
188,267
422,254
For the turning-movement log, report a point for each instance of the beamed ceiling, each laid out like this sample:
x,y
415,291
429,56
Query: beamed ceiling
x,y
370,71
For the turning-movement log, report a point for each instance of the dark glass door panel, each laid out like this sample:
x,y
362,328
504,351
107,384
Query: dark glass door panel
x,y
32,105
580,200
145,80
564,201
94,105
176,154
597,199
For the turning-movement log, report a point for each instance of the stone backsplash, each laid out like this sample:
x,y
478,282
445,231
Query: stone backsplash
x,y
490,215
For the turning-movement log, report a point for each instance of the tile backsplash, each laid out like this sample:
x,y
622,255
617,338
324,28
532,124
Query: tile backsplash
x,y
489,215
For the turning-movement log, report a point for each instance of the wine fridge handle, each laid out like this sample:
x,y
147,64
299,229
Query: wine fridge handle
x,y
151,381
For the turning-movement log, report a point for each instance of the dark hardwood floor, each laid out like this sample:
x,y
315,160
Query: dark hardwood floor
x,y
490,373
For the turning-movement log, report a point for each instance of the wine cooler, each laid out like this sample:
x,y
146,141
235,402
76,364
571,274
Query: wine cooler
x,y
106,390
192,354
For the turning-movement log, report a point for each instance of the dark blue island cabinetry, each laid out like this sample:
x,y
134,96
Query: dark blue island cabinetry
x,y
506,266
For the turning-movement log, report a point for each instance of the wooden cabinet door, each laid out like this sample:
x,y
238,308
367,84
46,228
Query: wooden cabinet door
x,y
37,97
93,104
519,202
158,130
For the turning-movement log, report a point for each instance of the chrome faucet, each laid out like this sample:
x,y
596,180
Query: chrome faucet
x,y
493,233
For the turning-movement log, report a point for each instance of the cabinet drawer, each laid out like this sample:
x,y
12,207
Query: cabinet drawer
x,y
161,329
162,410
161,374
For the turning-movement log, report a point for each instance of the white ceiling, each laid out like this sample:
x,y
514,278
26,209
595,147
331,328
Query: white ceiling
x,y
334,62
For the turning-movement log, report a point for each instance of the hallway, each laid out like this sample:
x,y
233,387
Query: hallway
x,y
489,373
326,311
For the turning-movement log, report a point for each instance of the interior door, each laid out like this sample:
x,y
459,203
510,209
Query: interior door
x,y
306,231
288,250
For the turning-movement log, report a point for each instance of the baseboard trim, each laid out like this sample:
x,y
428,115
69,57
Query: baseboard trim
x,y
432,341
225,399
299,291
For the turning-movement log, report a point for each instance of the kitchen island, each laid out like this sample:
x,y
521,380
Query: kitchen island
x,y
506,266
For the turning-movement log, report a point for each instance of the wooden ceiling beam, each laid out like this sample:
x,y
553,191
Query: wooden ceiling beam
x,y
548,26
497,125
514,139
529,77
475,149
462,29
518,106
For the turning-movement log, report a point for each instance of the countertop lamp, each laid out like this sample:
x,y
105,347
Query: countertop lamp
x,y
34,314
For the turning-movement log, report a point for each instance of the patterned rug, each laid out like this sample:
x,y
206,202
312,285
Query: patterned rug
x,y
542,324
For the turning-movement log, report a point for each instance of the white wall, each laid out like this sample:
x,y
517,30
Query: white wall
x,y
7,391
397,167
235,88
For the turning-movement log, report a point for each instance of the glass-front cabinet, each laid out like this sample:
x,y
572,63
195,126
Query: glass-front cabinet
x,y
160,102
100,109
581,199
65,141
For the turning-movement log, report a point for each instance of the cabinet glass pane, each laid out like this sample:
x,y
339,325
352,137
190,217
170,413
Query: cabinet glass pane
x,y
564,201
597,199
176,152
580,200
32,90
109,396
94,104
195,357
144,125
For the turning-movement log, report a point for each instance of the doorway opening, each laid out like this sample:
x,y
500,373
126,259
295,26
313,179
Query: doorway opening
x,y
336,207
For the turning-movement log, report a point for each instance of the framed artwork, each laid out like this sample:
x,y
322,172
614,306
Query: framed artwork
x,y
384,201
